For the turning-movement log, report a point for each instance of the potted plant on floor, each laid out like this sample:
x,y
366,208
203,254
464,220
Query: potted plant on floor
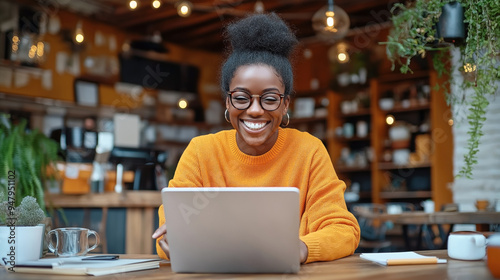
x,y
415,34
21,230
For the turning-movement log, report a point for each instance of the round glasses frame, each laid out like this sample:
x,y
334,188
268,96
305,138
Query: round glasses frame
x,y
281,96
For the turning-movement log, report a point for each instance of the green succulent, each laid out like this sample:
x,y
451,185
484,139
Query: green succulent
x,y
28,213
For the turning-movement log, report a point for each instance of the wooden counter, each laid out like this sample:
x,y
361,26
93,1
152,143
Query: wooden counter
x,y
141,207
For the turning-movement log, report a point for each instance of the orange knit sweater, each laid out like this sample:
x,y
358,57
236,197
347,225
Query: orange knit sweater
x,y
298,160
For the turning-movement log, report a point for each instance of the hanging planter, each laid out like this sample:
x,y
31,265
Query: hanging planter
x,y
451,27
415,32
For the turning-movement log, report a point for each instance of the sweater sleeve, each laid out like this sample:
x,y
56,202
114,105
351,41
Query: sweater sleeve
x,y
187,174
330,230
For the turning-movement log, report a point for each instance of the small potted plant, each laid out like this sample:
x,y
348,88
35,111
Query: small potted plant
x,y
21,230
26,158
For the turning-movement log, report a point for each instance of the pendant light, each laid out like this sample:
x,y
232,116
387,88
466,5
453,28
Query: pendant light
x,y
331,22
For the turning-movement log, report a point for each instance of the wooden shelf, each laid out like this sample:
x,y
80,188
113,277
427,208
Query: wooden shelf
x,y
400,109
405,194
353,139
364,112
307,120
392,166
352,169
393,77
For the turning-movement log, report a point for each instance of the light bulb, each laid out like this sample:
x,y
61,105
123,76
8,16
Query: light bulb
x,y
79,37
182,103
343,57
389,119
258,7
132,4
331,23
184,8
156,4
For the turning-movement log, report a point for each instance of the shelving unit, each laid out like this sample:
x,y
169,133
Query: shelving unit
x,y
418,179
424,178
357,148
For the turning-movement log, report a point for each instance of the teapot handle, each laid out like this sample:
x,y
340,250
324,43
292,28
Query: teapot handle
x,y
479,240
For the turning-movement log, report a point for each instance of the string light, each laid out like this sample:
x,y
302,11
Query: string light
x,y
15,43
182,103
32,52
156,4
184,8
390,119
132,4
39,49
468,68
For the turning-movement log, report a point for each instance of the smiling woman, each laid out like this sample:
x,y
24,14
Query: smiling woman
x,y
256,82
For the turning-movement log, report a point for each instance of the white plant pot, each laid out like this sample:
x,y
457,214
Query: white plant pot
x,y
19,244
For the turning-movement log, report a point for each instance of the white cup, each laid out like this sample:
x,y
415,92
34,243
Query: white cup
x,y
428,206
466,245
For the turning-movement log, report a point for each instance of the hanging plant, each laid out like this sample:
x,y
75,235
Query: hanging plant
x,y
415,34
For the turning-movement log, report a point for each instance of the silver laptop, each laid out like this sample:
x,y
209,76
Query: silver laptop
x,y
233,230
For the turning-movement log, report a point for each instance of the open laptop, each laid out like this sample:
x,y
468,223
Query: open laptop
x,y
233,230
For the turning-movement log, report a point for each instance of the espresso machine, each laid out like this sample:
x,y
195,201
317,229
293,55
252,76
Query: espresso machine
x,y
148,166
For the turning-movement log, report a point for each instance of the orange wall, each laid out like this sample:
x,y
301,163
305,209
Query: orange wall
x,y
62,83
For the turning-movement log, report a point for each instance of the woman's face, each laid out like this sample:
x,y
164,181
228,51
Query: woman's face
x,y
257,129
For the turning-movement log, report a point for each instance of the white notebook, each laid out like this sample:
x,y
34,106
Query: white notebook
x,y
401,258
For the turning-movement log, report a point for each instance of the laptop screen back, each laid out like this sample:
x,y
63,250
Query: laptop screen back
x,y
233,230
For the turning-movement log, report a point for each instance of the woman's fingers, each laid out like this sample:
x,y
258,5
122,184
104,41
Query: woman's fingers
x,y
164,246
160,231
162,242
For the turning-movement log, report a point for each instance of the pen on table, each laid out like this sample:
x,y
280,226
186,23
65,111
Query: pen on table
x,y
101,258
415,261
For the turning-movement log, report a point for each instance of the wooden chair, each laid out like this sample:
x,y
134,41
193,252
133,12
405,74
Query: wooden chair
x,y
373,231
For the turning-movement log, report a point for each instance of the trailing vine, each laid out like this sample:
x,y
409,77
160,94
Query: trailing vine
x,y
414,33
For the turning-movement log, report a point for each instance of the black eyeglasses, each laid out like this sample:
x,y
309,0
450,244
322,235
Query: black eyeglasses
x,y
268,101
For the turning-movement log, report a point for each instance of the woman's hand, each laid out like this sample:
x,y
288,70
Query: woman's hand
x,y
162,242
303,252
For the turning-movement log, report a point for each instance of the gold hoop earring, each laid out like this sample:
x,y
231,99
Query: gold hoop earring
x,y
226,116
287,121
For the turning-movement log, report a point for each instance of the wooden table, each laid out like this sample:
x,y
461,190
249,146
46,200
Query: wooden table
x,y
349,268
422,219
140,210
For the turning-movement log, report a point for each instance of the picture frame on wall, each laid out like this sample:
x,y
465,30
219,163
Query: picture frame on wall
x,y
86,93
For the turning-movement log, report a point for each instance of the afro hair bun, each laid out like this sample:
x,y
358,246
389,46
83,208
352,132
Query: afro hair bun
x,y
262,32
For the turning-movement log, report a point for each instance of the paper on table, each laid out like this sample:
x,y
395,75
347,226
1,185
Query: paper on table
x,y
400,258
75,266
